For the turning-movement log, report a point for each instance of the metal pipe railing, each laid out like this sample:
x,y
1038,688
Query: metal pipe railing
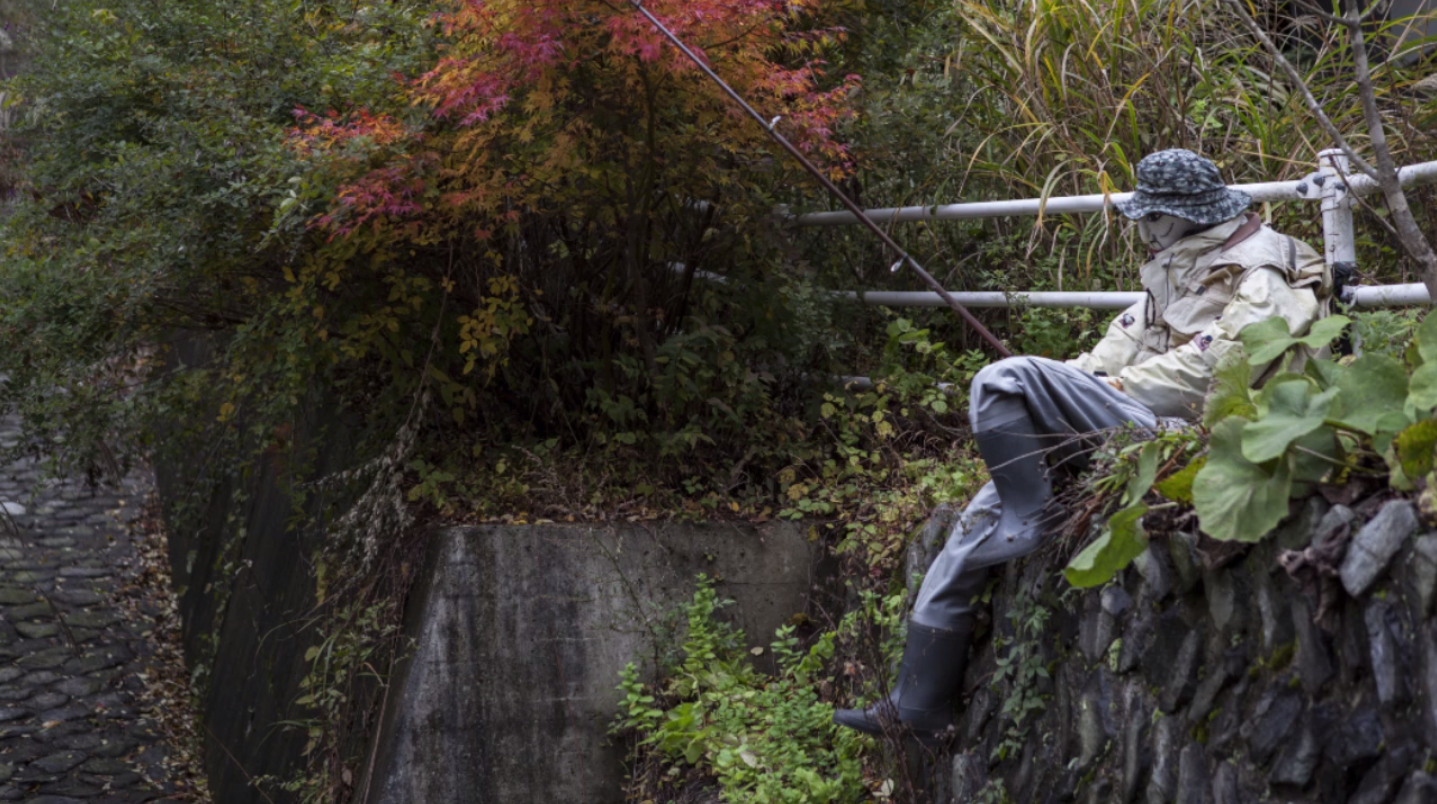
x,y
1061,205
1387,295
1423,173
1333,185
1366,296
904,298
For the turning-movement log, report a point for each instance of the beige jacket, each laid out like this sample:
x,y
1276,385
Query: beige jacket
x,y
1201,292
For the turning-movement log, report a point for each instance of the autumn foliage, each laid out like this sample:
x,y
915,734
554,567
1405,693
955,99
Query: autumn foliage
x,y
537,105
542,197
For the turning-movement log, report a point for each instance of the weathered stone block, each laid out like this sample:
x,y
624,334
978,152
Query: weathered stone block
x,y
1298,530
927,544
1193,785
1137,637
1094,727
1420,788
1115,600
1158,575
1427,647
977,714
1336,517
1224,784
1386,664
1182,549
1421,573
1382,780
1276,630
1137,757
1274,718
1375,545
1096,629
970,774
1299,756
1225,606
1183,673
1218,674
1167,761
1357,739
1314,658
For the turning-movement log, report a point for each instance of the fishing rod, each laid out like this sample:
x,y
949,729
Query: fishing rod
x,y
904,258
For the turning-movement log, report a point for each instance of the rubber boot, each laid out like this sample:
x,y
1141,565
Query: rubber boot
x,y
1014,452
928,679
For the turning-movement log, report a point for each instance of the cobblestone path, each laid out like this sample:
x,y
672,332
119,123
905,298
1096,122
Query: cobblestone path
x,y
73,644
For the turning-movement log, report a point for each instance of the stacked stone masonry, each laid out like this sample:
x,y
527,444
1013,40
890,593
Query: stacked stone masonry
x,y
1202,675
71,728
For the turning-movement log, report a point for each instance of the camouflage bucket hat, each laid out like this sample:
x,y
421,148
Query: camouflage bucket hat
x,y
1181,183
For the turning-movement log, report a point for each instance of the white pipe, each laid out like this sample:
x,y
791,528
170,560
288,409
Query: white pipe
x,y
1410,176
1095,300
1424,173
1337,233
1357,296
1062,205
1410,295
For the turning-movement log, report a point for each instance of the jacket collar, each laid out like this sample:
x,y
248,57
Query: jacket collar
x,y
1175,265
1193,246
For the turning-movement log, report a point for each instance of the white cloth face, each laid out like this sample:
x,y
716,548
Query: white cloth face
x,y
1158,231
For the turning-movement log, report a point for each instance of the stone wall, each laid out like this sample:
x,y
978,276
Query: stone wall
x,y
1205,675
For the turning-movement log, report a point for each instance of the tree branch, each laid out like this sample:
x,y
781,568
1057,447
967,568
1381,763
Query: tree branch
x,y
1311,8
1412,238
1414,242
1312,105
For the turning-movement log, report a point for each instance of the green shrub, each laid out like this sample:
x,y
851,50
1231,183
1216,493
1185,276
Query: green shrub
x,y
765,739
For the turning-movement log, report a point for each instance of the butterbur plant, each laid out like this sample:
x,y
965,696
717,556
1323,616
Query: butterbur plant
x,y
1372,414
1325,422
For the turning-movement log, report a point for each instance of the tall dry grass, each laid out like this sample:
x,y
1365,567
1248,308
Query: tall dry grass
x,y
1065,96
1076,91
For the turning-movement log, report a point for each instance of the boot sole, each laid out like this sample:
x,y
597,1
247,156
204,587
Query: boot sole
x,y
929,739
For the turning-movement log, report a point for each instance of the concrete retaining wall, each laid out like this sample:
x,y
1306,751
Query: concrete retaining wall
x,y
519,633
246,595
519,636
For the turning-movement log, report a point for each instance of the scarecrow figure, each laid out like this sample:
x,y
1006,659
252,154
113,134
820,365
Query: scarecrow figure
x,y
1215,269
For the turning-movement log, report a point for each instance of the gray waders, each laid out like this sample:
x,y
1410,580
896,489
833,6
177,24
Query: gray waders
x,y
1028,414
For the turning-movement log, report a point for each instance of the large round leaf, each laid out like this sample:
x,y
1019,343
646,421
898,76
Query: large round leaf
x,y
1423,392
1236,499
1374,386
1415,446
1425,339
1292,412
1121,541
1229,395
1266,340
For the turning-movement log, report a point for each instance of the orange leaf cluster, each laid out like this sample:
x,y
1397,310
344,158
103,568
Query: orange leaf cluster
x,y
544,104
